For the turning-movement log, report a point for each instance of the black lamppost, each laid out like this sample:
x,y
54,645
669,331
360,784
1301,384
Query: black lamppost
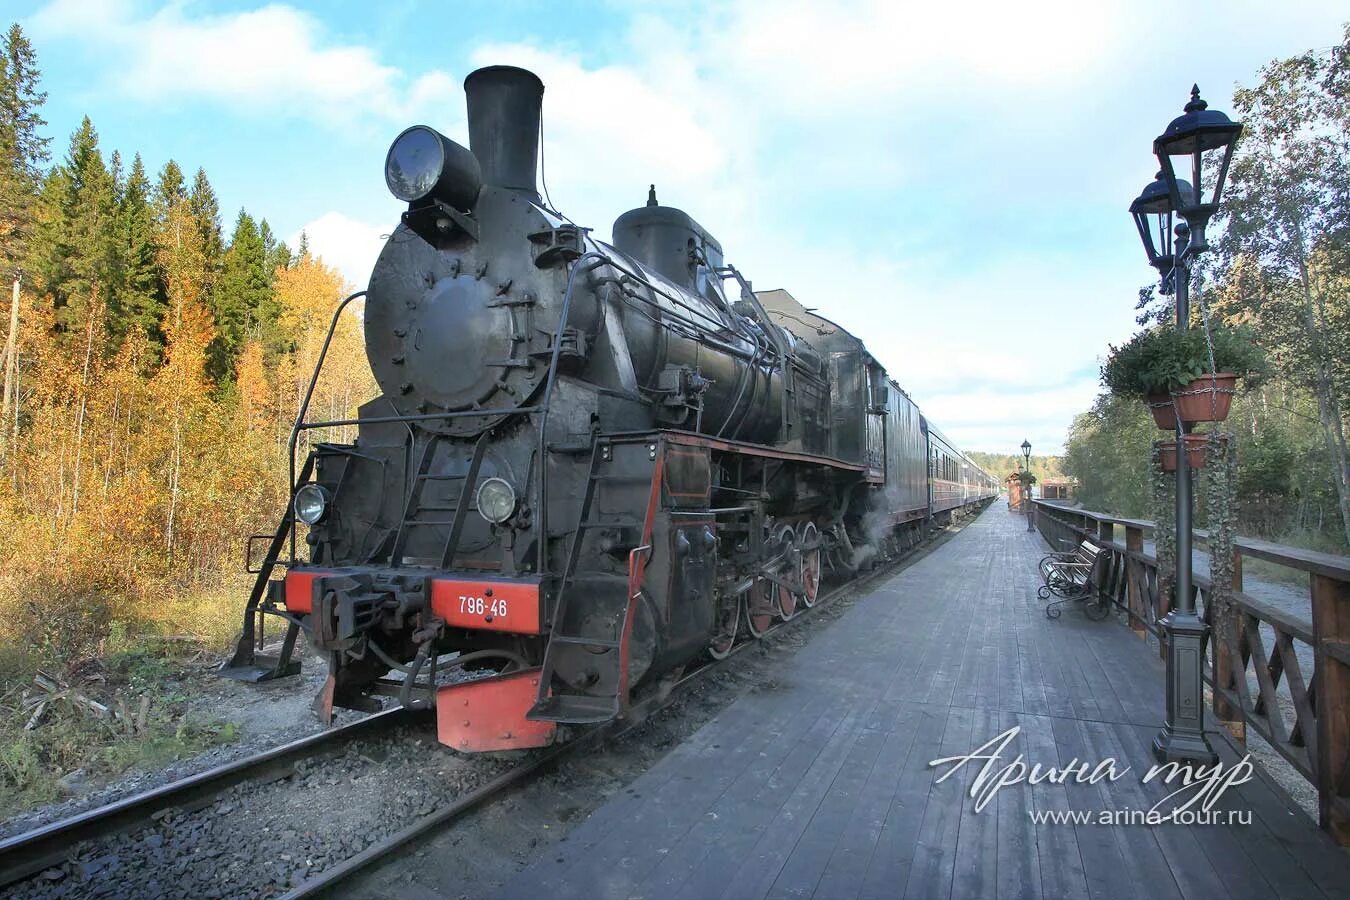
x,y
1199,133
1026,481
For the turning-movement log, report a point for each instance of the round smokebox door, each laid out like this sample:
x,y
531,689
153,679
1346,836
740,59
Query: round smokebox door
x,y
452,351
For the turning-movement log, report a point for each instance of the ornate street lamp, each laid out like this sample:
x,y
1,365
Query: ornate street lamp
x,y
1199,133
1152,211
1026,482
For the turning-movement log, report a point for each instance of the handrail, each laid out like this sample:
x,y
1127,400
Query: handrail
x,y
541,556
309,394
1302,715
1311,561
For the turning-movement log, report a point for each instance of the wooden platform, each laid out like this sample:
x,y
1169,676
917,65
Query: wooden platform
x,y
819,784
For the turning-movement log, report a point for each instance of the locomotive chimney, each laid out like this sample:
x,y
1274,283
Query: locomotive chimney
x,y
504,108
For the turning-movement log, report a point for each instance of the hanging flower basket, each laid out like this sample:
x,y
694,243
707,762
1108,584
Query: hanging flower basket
x,y
1196,455
1206,399
1164,414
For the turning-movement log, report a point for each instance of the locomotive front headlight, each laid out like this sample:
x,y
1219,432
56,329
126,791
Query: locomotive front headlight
x,y
496,500
413,165
311,503
422,163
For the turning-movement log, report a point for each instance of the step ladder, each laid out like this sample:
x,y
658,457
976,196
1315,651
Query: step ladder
x,y
413,504
557,701
247,663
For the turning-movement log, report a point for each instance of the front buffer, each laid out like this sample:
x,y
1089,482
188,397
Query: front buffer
x,y
359,615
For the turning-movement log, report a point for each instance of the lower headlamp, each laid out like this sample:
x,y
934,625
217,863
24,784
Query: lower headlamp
x,y
311,503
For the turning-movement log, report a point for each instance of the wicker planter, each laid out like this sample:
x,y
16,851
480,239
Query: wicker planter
x,y
1164,414
1206,399
1196,452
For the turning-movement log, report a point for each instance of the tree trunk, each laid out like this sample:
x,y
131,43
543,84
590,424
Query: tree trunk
x,y
173,487
11,367
1328,408
84,405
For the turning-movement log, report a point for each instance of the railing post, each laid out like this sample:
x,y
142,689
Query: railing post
x,y
1134,569
1225,663
1331,649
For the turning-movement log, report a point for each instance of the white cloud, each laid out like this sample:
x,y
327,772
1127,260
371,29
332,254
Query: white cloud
x,y
344,243
801,54
272,59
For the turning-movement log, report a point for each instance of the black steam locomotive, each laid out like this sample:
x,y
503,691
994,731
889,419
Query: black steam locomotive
x,y
590,462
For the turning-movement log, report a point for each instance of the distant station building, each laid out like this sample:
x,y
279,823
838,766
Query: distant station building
x,y
1062,489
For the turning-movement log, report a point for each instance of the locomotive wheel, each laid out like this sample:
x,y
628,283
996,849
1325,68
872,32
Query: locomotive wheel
x,y
722,642
757,609
783,601
808,567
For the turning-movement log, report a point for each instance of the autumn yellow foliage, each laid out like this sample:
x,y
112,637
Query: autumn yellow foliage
x,y
134,482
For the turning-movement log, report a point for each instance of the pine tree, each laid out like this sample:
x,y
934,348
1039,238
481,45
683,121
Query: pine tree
x,y
242,300
169,189
281,258
140,299
22,149
116,175
278,254
83,257
206,213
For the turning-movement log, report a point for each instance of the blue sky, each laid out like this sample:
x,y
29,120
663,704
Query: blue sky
x,y
949,181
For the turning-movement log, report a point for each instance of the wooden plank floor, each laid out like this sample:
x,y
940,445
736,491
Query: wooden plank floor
x,y
819,784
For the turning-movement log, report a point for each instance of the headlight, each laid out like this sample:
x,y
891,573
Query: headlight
x,y
496,500
311,502
423,163
413,165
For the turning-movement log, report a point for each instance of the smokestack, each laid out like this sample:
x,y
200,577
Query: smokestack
x,y
504,108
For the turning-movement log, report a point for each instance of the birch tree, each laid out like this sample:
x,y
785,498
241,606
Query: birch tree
x,y
1287,212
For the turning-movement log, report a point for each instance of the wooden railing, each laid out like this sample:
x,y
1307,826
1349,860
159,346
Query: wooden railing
x,y
1284,676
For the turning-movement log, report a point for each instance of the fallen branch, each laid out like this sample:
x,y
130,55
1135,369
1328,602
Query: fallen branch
x,y
58,689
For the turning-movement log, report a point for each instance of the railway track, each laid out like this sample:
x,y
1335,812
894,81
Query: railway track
x,y
23,856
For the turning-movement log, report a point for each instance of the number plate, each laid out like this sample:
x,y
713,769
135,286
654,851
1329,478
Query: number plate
x,y
487,604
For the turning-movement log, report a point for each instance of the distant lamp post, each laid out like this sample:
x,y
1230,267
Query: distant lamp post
x,y
1026,481
1199,133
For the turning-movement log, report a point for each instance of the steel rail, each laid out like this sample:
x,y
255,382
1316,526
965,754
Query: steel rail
x,y
26,854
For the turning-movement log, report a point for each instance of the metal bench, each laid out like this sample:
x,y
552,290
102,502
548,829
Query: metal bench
x,y
1075,576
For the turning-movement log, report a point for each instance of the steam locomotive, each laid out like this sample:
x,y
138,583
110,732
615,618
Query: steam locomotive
x,y
589,464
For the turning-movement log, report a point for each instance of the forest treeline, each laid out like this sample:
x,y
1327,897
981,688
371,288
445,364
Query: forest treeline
x,y
1001,465
1282,267
152,366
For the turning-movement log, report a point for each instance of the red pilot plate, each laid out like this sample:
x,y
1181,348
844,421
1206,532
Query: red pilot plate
x,y
300,589
487,604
